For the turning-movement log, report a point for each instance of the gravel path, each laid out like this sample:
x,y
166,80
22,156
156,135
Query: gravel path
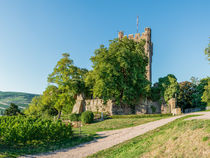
x,y
111,138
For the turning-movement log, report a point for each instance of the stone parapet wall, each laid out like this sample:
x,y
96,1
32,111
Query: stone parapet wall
x,y
144,106
97,105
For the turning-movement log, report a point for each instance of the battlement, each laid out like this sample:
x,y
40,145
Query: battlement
x,y
137,37
146,35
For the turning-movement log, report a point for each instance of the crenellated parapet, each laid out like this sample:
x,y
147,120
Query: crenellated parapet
x,y
146,35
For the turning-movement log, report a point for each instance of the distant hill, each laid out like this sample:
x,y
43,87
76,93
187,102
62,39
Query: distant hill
x,y
19,98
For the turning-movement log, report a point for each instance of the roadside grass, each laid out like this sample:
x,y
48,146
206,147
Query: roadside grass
x,y
180,138
117,123
88,134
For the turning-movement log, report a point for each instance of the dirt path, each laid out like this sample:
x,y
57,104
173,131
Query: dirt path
x,y
111,138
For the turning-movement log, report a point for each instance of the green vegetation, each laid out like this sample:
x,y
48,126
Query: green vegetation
x,y
43,145
207,51
185,96
140,116
12,110
206,94
18,133
197,100
119,72
165,88
69,80
19,130
66,81
179,138
119,123
75,117
87,117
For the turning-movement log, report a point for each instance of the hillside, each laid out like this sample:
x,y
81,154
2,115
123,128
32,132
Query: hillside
x,y
19,98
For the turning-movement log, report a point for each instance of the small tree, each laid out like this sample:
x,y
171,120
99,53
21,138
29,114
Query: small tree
x,y
197,100
167,87
185,95
69,80
12,110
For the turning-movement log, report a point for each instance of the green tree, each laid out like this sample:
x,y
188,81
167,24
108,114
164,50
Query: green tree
x,y
44,104
207,51
119,72
185,96
168,87
197,100
34,108
206,94
155,92
12,110
69,80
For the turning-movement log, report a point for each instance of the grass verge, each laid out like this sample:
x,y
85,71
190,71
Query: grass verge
x,y
179,138
118,123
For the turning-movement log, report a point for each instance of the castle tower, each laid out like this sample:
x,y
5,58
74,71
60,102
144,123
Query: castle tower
x,y
148,47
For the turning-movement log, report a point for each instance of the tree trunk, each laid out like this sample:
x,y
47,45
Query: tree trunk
x,y
59,114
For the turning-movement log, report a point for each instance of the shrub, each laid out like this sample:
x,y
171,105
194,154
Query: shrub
x,y
16,130
87,117
75,117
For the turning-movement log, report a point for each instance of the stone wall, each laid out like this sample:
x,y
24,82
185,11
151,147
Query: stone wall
x,y
144,106
97,105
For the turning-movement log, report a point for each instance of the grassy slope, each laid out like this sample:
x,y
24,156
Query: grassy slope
x,y
19,98
88,134
177,139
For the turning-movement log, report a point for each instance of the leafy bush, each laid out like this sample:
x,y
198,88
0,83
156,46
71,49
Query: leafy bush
x,y
22,130
87,117
75,117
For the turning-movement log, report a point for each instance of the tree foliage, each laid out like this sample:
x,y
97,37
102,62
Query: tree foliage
x,y
185,96
165,88
12,110
197,100
44,104
206,94
119,71
207,51
65,82
69,80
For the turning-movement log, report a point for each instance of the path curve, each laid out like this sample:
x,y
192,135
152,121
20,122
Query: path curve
x,y
111,138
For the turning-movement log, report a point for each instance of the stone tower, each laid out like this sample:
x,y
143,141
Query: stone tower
x,y
148,47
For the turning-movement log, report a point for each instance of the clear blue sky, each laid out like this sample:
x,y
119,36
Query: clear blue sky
x,y
34,34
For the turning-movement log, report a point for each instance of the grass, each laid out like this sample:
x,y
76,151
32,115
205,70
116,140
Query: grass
x,y
179,138
118,123
88,134
43,147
